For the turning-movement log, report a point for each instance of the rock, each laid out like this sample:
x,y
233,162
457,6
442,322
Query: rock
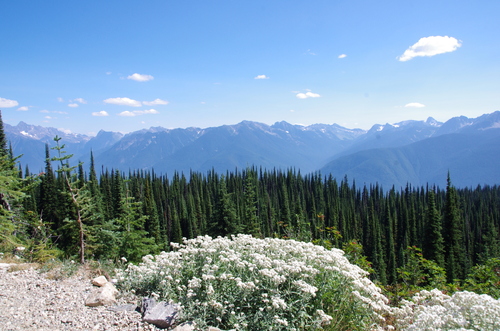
x,y
147,304
99,281
102,296
188,326
211,328
129,307
161,314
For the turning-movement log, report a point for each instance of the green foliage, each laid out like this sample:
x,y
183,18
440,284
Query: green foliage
x,y
10,195
485,278
133,242
434,243
36,238
74,225
354,253
417,274
455,254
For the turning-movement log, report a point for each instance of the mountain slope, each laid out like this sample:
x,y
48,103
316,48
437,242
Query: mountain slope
x,y
471,158
249,143
392,154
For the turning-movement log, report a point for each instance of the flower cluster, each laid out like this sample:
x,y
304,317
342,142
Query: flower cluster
x,y
433,310
260,284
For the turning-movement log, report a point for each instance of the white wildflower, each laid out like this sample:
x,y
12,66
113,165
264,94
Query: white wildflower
x,y
305,287
278,303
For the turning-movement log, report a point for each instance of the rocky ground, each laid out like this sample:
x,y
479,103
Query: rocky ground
x,y
30,300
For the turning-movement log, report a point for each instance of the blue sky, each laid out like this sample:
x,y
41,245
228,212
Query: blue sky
x,y
125,65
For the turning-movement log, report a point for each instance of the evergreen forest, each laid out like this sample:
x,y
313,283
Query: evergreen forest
x,y
71,210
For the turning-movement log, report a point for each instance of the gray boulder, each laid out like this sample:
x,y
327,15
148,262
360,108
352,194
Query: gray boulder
x,y
161,314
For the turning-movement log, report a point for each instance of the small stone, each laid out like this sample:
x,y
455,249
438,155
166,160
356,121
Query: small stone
x,y
187,326
99,281
129,307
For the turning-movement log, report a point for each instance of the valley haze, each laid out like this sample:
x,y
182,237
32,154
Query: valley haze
x,y
409,152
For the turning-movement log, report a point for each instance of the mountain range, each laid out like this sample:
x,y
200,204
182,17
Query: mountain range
x,y
409,152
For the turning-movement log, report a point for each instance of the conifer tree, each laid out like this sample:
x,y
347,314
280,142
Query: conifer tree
x,y
224,220
175,226
250,218
152,225
10,197
134,241
65,171
434,242
3,139
453,235
49,195
391,250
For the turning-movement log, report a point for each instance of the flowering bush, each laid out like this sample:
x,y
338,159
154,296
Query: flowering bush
x,y
433,310
260,284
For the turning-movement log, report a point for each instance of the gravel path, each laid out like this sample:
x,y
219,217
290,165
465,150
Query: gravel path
x,y
31,301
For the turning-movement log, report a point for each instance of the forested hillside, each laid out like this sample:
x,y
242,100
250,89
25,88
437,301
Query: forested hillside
x,y
139,212
70,210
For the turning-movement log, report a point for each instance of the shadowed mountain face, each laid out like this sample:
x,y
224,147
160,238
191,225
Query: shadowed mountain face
x,y
415,152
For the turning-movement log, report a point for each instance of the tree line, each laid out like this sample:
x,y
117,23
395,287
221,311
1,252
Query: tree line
x,y
76,211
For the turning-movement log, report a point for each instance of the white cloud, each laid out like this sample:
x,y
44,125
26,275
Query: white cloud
x,y
73,105
6,103
80,100
23,108
60,99
307,95
341,56
123,102
138,112
155,102
100,113
261,77
430,46
150,111
45,111
414,105
140,78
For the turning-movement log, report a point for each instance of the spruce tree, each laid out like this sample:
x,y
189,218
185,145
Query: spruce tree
x,y
434,242
224,220
4,151
49,196
152,225
134,241
250,219
453,235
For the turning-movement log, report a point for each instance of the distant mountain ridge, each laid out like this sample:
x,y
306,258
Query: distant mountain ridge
x,y
415,152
